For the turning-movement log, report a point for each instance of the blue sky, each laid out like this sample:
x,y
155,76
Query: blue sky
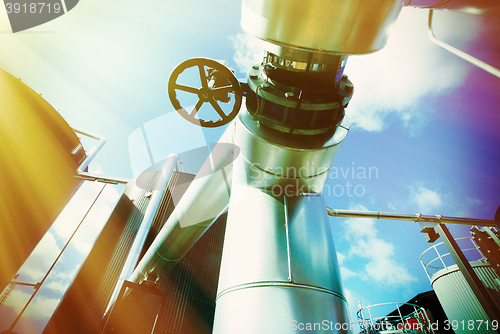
x,y
425,120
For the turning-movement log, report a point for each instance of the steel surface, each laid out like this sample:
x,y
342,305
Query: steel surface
x,y
279,265
279,159
338,27
458,300
156,196
39,155
203,202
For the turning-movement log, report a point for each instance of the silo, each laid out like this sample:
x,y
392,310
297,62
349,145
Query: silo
x,y
39,155
463,309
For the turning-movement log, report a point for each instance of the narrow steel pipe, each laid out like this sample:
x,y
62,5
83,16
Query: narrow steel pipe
x,y
171,164
465,56
410,217
81,173
205,199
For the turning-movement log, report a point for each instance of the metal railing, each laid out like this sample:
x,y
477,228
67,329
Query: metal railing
x,y
444,260
81,173
416,320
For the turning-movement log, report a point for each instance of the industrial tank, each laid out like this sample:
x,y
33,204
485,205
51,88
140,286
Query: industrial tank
x,y
39,155
463,309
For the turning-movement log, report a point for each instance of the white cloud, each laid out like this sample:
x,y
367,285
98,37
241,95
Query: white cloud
x,y
426,199
47,250
382,265
467,206
65,275
40,308
340,258
59,281
95,220
409,68
95,169
56,286
345,272
83,246
72,214
394,80
41,259
248,51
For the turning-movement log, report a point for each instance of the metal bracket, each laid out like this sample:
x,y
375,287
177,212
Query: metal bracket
x,y
465,56
81,173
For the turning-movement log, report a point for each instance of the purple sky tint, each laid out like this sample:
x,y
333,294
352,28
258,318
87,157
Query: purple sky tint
x,y
429,122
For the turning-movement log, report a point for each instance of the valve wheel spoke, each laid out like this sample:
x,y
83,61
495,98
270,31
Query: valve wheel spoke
x,y
218,109
196,108
188,89
223,90
220,75
203,76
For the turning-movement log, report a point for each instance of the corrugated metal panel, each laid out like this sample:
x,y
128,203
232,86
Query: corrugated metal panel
x,y
191,289
82,307
191,285
458,300
115,266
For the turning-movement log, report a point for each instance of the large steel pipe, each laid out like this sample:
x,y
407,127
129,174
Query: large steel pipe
x,y
279,267
339,27
285,162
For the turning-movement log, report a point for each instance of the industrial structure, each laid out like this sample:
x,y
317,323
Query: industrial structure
x,y
466,291
42,185
248,237
183,301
